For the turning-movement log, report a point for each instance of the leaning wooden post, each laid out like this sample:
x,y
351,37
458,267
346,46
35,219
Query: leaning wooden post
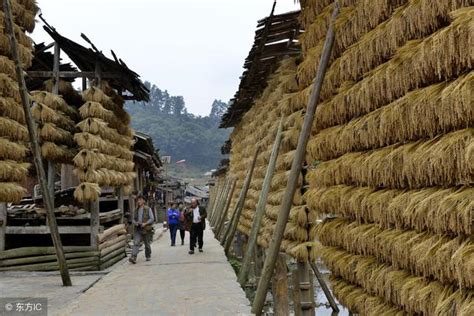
x,y
3,224
219,205
229,236
26,102
296,166
281,304
262,202
217,202
55,90
221,222
324,287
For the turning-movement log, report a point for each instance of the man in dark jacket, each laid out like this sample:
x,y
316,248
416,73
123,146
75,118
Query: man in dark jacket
x,y
197,216
143,222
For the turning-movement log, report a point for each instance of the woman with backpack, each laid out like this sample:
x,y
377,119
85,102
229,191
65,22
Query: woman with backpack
x,y
173,222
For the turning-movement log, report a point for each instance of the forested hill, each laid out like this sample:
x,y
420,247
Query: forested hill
x,y
180,134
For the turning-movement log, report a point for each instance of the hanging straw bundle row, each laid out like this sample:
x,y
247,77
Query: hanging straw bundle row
x,y
7,67
9,108
25,52
443,258
44,114
417,63
98,127
105,176
23,13
57,153
11,192
13,130
92,109
415,295
13,171
55,102
427,112
91,142
416,19
97,95
12,151
442,161
437,210
93,159
50,132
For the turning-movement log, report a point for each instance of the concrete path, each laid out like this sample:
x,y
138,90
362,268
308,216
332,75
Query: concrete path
x,y
173,283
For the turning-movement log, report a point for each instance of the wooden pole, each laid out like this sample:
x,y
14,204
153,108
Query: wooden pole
x,y
229,236
296,292
281,304
51,166
215,203
324,287
221,200
120,202
262,202
3,224
62,264
287,200
222,219
307,307
95,222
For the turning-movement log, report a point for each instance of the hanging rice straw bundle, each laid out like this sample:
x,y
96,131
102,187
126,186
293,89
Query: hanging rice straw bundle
x,y
45,114
24,52
50,132
11,192
87,191
54,102
97,95
13,171
11,109
89,159
57,153
13,130
95,109
7,67
99,127
12,151
9,88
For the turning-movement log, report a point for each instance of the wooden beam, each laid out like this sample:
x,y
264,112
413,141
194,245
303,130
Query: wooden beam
x,y
120,203
42,230
72,74
262,202
35,147
295,171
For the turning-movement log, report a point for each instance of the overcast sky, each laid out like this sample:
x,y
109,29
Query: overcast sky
x,y
193,48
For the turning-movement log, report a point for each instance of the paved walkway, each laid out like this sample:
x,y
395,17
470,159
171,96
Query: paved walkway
x,y
173,283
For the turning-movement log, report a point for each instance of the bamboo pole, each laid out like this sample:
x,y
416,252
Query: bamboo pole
x,y
262,202
26,102
324,287
221,222
296,295
215,199
296,166
281,304
229,236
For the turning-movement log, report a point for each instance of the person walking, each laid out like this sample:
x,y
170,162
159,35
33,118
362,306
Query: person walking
x,y
143,221
196,215
182,222
173,222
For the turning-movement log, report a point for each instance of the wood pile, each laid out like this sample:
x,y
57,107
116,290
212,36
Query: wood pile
x,y
79,258
13,132
392,147
111,249
112,243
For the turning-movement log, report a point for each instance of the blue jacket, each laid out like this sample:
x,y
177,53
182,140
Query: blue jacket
x,y
173,216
